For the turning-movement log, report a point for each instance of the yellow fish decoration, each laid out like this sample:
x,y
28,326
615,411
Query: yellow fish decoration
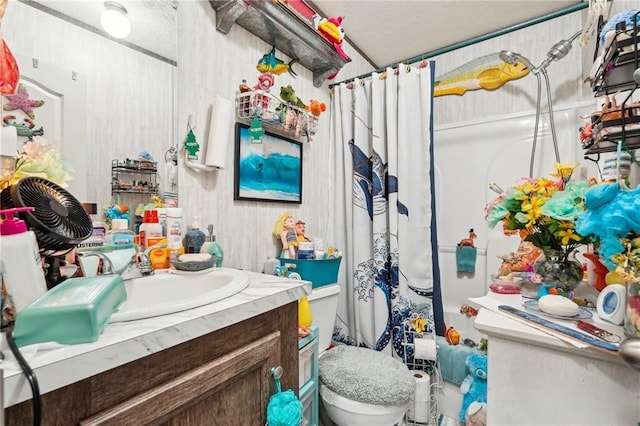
x,y
487,72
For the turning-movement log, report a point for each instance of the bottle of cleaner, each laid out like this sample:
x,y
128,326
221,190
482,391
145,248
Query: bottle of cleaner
x,y
212,247
194,238
150,230
22,271
174,232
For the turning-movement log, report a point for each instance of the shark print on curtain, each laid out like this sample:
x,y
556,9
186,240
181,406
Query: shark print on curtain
x,y
381,129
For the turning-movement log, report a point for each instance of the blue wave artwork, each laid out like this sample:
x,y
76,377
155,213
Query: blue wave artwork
x,y
271,170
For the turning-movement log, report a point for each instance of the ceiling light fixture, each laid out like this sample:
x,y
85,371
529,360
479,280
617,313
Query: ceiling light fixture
x,y
114,20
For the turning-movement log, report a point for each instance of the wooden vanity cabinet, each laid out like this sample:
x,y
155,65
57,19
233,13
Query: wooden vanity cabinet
x,y
222,378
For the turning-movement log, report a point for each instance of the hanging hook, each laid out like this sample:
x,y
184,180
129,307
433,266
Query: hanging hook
x,y
277,372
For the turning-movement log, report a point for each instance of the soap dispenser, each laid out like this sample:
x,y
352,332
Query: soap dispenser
x,y
212,247
22,271
194,238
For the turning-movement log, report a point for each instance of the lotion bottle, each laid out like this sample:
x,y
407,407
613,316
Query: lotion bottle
x,y
194,238
212,247
22,270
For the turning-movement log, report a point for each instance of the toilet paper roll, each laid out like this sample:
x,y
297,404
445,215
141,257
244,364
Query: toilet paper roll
x,y
219,127
420,404
424,349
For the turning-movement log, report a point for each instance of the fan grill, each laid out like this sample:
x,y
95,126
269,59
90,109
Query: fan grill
x,y
59,220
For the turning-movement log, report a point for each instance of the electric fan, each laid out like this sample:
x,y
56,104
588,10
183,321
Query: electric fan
x,y
59,221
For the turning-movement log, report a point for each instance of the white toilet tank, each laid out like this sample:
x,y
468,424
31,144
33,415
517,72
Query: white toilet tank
x,y
324,308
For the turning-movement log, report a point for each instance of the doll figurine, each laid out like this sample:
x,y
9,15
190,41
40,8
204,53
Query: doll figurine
x,y
300,232
285,229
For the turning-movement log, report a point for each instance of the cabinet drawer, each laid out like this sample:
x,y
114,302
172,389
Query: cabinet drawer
x,y
309,409
307,363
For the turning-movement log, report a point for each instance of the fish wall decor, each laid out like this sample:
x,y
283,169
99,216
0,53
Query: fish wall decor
x,y
487,72
272,65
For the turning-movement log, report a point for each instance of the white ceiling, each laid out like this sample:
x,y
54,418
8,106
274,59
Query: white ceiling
x,y
385,31
388,31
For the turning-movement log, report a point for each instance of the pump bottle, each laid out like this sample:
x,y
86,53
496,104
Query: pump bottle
x,y
212,247
22,271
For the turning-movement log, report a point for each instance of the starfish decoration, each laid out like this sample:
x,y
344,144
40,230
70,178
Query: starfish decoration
x,y
21,101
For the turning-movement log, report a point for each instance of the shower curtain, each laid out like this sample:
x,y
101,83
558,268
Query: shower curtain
x,y
381,133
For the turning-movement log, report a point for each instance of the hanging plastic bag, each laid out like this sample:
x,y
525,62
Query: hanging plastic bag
x,y
9,72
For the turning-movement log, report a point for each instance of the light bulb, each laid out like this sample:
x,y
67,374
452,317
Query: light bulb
x,y
114,20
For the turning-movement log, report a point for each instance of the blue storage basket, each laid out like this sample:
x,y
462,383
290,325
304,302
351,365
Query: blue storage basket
x,y
319,272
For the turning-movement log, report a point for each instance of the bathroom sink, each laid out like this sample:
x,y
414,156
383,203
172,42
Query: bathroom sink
x,y
168,292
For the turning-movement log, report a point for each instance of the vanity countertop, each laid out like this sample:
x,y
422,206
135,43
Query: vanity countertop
x,y
494,323
540,379
57,365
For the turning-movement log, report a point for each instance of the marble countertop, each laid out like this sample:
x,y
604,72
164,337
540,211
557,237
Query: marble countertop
x,y
57,365
494,323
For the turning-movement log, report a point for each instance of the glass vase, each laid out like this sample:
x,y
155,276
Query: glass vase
x,y
632,309
564,274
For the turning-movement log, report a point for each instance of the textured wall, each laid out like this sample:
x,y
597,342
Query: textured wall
x,y
137,102
129,95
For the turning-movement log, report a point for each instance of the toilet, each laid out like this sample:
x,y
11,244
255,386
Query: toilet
x,y
354,396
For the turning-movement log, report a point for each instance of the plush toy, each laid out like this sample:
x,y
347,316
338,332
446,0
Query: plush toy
x,y
265,82
287,94
316,107
331,29
474,386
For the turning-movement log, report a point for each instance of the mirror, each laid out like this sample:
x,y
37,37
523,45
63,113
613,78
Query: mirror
x,y
112,99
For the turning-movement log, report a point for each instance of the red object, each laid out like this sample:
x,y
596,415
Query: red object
x,y
599,270
505,288
302,8
9,72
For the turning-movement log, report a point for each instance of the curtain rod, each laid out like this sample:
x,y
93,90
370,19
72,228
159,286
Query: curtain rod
x,y
477,39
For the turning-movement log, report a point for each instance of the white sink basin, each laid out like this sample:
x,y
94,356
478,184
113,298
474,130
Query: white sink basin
x,y
168,292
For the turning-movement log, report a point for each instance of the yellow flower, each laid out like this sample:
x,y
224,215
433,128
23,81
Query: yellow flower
x,y
564,170
532,208
567,233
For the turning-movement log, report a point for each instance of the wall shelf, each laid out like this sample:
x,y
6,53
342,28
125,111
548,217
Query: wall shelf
x,y
617,73
134,177
278,26
275,114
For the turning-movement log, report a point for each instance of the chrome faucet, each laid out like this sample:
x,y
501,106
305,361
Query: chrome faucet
x,y
138,266
105,267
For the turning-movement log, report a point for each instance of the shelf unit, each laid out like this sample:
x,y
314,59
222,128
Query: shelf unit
x,y
134,177
275,114
281,27
618,72
308,351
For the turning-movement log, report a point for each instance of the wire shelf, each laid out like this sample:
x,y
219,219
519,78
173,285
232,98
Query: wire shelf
x,y
428,366
275,114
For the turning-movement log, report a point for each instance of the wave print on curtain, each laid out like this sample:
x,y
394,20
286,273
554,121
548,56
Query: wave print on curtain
x,y
382,132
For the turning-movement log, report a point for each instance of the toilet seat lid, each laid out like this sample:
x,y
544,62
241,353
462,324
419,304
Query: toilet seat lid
x,y
366,375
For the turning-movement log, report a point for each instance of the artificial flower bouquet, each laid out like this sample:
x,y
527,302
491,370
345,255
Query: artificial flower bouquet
x,y
543,211
613,218
39,157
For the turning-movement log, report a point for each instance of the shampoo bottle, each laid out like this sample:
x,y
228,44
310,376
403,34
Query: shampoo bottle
x,y
22,271
212,247
194,238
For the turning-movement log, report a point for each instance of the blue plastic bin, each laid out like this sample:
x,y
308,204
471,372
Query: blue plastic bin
x,y
319,272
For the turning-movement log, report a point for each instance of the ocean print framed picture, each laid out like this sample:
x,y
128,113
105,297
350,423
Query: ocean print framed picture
x,y
267,167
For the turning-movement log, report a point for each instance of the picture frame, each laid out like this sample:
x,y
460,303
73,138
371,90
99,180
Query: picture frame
x,y
267,169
